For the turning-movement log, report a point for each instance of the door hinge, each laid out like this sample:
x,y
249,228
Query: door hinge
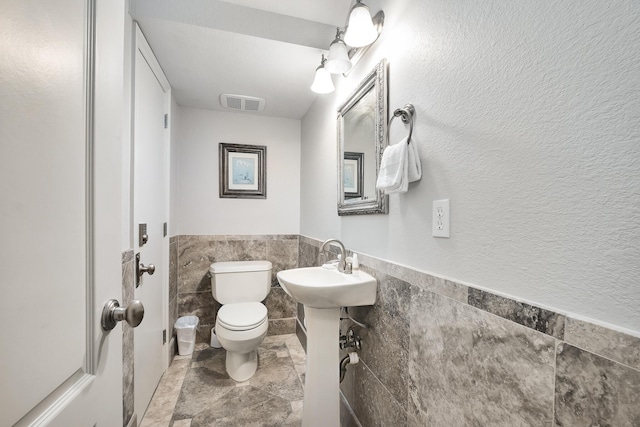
x,y
166,121
165,230
164,336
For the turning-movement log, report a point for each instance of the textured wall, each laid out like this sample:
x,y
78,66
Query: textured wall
x,y
528,121
441,353
199,208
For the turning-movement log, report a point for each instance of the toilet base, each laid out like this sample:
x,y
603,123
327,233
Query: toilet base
x,y
241,366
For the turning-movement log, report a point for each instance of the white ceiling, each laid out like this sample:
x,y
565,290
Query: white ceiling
x,y
263,48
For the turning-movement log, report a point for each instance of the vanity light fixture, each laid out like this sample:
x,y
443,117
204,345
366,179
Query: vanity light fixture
x,y
338,61
360,29
322,83
349,46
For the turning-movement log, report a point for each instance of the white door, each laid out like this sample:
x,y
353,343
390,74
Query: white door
x,y
150,208
60,254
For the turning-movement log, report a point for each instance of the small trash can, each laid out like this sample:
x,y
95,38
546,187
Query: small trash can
x,y
186,330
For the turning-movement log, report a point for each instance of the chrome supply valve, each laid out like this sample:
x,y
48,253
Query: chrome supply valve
x,y
350,340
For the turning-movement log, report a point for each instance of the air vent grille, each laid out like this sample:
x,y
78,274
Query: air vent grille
x,y
234,103
241,103
251,105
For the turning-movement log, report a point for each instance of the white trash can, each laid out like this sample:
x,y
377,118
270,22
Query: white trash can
x,y
186,330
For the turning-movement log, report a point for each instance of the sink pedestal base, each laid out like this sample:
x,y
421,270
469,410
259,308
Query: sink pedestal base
x,y
322,379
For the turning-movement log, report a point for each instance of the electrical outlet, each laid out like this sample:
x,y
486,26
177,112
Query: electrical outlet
x,y
440,226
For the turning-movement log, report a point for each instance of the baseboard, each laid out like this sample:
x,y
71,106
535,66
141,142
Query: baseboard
x,y
133,422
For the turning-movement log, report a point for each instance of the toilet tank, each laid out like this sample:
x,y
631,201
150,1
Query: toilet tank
x,y
240,281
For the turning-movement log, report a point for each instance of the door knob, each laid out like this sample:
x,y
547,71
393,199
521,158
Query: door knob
x,y
141,269
112,313
146,269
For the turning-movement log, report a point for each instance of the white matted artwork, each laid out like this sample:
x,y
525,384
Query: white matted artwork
x,y
243,171
352,174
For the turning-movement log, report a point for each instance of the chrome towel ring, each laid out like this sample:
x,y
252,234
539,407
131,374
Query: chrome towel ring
x,y
406,114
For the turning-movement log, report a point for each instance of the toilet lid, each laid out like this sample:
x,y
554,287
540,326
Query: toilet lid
x,y
242,316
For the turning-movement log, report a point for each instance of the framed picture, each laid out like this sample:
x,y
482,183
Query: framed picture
x,y
243,171
353,174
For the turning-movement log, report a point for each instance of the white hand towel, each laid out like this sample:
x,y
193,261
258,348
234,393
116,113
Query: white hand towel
x,y
413,164
392,177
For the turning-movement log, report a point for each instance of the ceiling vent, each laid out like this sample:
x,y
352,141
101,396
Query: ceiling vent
x,y
241,103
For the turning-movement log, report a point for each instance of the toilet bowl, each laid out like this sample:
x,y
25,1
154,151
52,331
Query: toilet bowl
x,y
242,321
240,328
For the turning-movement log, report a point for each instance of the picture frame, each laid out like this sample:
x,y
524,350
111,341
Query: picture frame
x,y
243,171
353,174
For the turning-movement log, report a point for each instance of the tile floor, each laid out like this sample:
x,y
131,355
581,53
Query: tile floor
x,y
196,391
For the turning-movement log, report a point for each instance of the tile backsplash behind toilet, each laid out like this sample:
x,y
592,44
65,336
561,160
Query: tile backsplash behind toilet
x,y
190,285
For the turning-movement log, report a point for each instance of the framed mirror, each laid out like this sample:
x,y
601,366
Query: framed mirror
x,y
362,124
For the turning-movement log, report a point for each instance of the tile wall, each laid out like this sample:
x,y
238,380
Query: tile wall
x,y
173,294
127,341
440,353
190,285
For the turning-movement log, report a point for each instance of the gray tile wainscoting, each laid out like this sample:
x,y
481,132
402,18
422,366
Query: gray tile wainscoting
x,y
441,353
195,253
128,288
173,294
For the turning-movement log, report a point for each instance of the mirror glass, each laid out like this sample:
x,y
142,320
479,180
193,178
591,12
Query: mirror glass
x,y
362,123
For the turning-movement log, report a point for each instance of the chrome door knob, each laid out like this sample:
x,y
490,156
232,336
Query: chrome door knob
x,y
146,269
141,269
112,313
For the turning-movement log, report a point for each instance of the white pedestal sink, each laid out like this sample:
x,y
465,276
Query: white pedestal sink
x,y
323,292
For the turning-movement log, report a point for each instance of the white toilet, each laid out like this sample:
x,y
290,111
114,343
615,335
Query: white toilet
x,y
242,321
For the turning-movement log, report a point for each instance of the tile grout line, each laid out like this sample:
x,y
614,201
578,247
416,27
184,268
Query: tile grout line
x,y
600,355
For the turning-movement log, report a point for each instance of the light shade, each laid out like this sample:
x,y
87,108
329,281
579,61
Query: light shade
x,y
322,83
360,30
338,61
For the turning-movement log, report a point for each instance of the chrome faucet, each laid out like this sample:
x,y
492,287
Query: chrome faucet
x,y
343,267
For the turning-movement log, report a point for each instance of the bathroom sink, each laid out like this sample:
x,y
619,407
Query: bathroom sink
x,y
318,287
323,291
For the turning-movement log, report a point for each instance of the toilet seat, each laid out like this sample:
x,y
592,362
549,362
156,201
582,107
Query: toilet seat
x,y
242,316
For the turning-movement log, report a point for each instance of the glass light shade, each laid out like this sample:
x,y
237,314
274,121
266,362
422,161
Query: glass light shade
x,y
338,61
360,31
322,83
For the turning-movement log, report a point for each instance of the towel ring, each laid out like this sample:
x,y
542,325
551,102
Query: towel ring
x,y
406,114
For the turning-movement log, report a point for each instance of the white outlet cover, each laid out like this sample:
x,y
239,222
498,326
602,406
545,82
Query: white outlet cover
x,y
441,218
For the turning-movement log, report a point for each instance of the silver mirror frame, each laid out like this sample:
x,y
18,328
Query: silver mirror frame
x,y
376,80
